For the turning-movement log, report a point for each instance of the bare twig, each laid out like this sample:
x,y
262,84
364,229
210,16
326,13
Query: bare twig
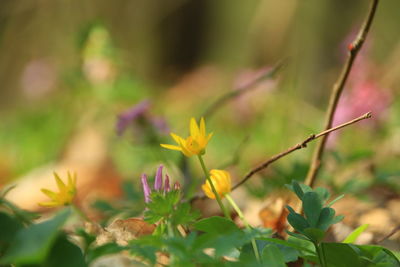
x,y
395,230
298,146
354,48
242,89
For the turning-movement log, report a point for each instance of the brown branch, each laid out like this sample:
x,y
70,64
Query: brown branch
x,y
395,230
354,48
298,146
242,89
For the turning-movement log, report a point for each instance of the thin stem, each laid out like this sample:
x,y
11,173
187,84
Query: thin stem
x,y
354,48
170,229
321,255
217,197
241,216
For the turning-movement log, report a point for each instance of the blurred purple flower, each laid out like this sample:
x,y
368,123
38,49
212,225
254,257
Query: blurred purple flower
x,y
126,118
140,113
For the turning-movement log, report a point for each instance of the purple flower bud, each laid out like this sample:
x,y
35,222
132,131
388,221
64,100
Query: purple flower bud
x,y
159,179
177,186
146,189
166,184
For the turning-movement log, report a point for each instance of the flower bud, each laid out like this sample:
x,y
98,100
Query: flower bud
x,y
222,182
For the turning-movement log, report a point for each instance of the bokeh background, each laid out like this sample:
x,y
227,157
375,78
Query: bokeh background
x,y
94,86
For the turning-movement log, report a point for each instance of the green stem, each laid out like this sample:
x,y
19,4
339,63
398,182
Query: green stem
x,y
170,229
241,216
321,254
218,198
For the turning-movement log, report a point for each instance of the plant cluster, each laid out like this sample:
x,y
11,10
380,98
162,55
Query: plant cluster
x,y
172,233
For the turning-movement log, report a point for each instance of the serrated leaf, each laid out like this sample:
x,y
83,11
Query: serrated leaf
x,y
352,237
325,218
312,207
32,244
272,256
184,215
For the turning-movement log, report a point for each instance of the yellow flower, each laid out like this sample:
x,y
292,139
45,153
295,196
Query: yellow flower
x,y
65,195
195,144
222,182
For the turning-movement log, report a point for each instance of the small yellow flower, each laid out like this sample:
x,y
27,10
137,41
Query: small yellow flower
x,y
65,195
195,144
222,182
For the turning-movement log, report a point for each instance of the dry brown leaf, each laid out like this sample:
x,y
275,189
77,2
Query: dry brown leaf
x,y
122,231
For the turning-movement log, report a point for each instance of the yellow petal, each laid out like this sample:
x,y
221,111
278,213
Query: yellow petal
x,y
172,147
207,190
176,137
60,183
71,181
194,128
49,193
202,127
49,204
184,149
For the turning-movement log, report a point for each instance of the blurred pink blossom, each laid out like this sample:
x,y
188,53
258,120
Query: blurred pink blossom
x,y
38,78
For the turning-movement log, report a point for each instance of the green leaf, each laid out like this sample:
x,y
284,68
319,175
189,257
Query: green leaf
x,y
32,244
65,254
220,234
376,255
272,256
184,215
326,218
106,249
296,220
9,226
215,225
312,207
23,215
323,193
341,255
352,237
298,236
315,234
337,219
308,252
289,253
297,189
290,244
